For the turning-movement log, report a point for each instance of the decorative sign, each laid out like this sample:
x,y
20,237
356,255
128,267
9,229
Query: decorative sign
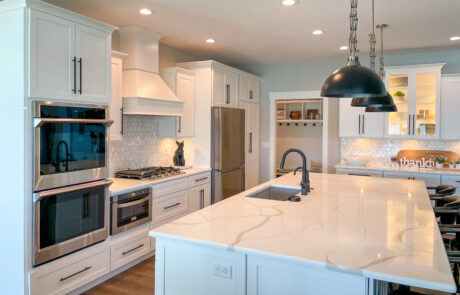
x,y
422,163
423,158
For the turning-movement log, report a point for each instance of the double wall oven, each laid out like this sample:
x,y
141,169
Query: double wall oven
x,y
70,171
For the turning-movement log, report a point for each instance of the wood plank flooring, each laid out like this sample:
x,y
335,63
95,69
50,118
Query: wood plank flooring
x,y
138,280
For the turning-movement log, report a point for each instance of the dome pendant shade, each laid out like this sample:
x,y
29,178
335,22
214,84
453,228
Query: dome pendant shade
x,y
353,80
373,101
387,109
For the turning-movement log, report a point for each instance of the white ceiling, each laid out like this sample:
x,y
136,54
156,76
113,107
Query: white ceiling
x,y
263,31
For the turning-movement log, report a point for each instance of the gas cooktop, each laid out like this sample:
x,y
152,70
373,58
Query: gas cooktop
x,y
149,172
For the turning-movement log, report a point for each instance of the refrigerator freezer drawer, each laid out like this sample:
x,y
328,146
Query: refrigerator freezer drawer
x,y
227,184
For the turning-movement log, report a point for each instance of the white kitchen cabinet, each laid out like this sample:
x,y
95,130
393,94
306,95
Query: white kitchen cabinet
x,y
355,122
249,89
69,60
199,197
450,107
267,276
225,87
360,172
429,179
251,178
182,82
169,206
251,143
418,114
116,105
128,250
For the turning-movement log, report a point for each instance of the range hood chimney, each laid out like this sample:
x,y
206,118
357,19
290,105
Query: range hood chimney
x,y
144,91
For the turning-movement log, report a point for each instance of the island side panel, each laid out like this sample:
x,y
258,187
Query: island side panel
x,y
185,268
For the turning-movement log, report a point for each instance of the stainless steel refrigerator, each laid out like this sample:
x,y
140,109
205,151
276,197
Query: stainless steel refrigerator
x,y
227,152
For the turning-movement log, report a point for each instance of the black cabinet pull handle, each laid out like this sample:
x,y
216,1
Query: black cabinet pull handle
x,y
359,124
74,274
409,129
354,174
74,90
180,125
201,179
133,249
122,123
172,206
202,199
250,142
81,75
251,94
227,94
363,123
413,124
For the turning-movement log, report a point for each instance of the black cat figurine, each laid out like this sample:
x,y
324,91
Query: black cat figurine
x,y
179,159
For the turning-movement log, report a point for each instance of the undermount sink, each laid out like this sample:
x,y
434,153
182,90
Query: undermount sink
x,y
277,194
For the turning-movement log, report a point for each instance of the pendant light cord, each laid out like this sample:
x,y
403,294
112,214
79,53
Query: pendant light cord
x,y
372,41
353,27
382,65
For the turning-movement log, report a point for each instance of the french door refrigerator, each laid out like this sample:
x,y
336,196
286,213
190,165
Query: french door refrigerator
x,y
227,152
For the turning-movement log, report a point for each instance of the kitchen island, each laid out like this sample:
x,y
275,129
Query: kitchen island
x,y
347,234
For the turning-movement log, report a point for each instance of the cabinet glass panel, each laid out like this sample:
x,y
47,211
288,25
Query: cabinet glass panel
x,y
425,108
398,121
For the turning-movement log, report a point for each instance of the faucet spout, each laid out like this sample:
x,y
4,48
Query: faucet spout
x,y
305,183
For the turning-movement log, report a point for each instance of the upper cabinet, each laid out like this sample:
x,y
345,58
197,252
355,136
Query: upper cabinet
x,y
249,89
416,91
182,82
355,122
450,107
116,105
69,60
225,87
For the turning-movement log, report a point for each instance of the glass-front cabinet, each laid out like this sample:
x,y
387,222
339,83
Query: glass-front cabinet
x,y
416,93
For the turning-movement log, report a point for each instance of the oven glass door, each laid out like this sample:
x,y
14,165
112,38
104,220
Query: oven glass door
x,y
65,216
67,147
132,211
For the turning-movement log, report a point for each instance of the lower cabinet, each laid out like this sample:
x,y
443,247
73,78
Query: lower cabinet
x,y
71,272
359,172
199,197
267,276
169,206
129,250
430,180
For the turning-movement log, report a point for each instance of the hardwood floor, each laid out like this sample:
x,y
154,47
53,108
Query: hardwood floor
x,y
138,280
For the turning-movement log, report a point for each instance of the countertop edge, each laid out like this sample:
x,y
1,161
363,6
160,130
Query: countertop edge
x,y
408,170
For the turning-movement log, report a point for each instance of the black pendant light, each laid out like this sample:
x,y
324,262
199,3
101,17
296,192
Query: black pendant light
x,y
386,109
353,80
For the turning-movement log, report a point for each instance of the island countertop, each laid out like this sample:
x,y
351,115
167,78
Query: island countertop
x,y
379,228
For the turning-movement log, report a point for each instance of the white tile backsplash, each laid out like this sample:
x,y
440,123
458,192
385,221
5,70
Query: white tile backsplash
x,y
382,149
141,146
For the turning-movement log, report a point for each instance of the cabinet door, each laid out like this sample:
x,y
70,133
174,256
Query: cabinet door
x,y
231,85
93,63
251,121
450,107
116,130
349,119
52,49
185,89
251,175
219,94
199,197
372,124
254,90
248,89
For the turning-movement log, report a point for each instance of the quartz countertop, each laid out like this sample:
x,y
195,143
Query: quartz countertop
x,y
379,228
125,185
401,169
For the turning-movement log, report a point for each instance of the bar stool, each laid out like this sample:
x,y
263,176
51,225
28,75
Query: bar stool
x,y
441,191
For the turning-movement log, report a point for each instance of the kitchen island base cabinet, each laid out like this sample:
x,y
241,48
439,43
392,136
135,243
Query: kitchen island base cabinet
x,y
189,268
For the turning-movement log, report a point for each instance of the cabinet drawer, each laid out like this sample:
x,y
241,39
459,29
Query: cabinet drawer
x,y
169,187
359,172
451,180
169,206
199,179
430,180
131,250
70,276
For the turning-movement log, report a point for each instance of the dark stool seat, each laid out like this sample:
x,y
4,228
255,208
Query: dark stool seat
x,y
404,292
443,189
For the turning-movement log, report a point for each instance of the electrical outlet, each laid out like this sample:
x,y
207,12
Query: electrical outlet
x,y
224,271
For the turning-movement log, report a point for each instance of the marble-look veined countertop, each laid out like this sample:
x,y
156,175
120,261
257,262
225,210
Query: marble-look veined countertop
x,y
125,185
380,228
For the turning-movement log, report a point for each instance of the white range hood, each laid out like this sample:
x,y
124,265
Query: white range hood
x,y
144,91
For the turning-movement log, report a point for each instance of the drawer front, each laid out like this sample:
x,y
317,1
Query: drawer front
x,y
199,179
71,276
360,172
129,251
169,187
451,180
169,206
430,180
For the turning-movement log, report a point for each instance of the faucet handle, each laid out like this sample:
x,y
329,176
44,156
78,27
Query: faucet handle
x,y
297,169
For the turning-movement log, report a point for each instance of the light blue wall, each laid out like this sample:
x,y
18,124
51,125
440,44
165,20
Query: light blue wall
x,y
310,75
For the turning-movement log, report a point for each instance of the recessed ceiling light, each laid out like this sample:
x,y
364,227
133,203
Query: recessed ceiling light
x,y
289,2
145,11
454,38
317,32
343,47
210,40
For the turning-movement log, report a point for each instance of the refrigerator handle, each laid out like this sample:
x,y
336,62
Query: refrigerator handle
x,y
250,142
217,138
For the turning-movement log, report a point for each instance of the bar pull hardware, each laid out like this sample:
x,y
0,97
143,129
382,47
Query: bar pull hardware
x,y
363,123
172,206
227,93
38,122
122,123
133,203
74,90
133,249
74,274
201,179
359,124
250,142
251,94
413,124
359,174
180,125
409,129
202,199
81,75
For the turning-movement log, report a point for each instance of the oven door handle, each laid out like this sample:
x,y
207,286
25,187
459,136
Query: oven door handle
x,y
40,195
129,204
38,122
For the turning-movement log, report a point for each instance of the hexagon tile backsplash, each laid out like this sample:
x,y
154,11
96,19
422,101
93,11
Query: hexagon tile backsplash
x,y
382,149
141,146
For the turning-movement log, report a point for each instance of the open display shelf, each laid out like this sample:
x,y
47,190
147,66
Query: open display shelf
x,y
299,111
